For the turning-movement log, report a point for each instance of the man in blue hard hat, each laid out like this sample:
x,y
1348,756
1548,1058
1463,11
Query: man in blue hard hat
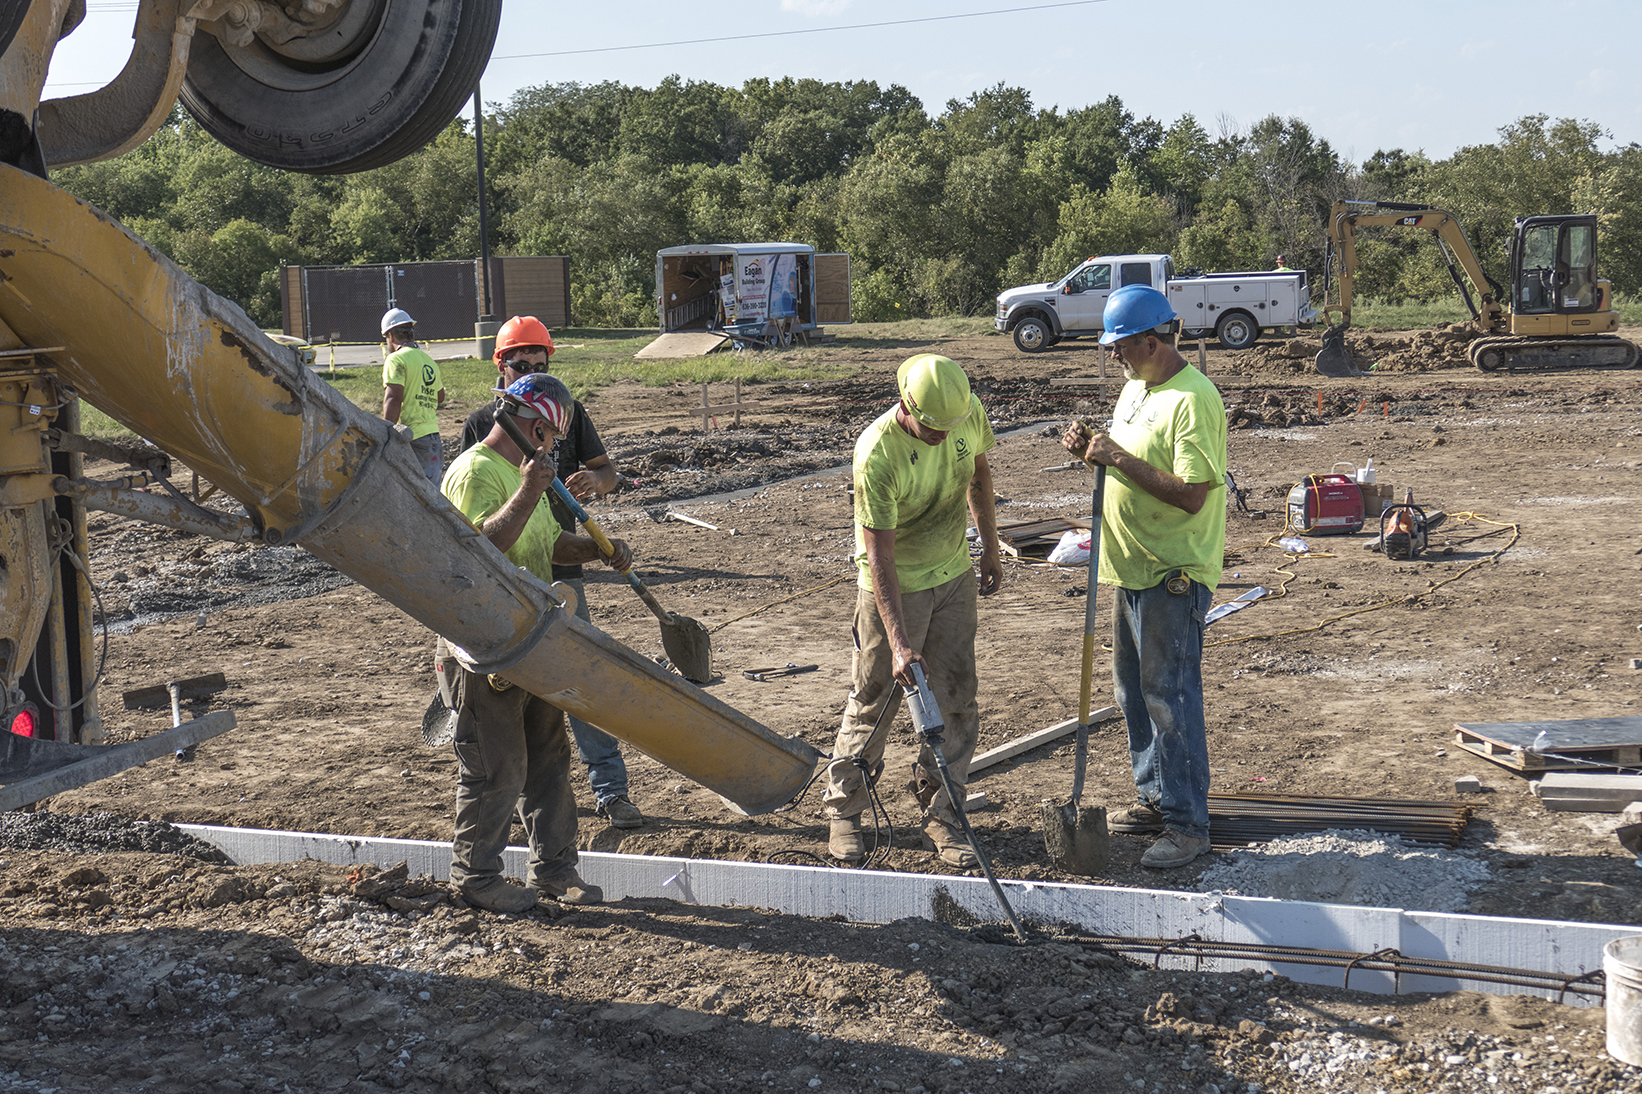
x,y
921,477
1163,541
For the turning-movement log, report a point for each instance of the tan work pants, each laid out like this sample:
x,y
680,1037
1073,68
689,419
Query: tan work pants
x,y
513,757
940,625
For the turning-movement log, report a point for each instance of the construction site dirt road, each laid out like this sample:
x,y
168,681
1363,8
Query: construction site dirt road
x,y
1524,608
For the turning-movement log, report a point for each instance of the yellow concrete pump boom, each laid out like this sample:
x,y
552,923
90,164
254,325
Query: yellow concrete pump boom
x,y
1555,313
89,310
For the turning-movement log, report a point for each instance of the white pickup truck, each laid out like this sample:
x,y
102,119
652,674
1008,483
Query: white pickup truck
x,y
1233,307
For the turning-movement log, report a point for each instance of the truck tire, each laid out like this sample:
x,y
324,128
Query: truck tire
x,y
1033,334
1237,330
377,86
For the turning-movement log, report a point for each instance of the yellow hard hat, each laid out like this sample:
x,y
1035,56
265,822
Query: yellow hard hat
x,y
934,390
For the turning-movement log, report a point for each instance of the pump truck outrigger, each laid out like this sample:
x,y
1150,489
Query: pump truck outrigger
x,y
1556,312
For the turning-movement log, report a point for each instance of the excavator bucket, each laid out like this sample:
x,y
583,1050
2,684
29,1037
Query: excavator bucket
x,y
1332,359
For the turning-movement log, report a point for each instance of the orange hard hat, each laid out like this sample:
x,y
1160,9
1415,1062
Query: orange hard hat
x,y
522,330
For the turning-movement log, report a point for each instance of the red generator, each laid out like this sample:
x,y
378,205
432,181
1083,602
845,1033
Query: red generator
x,y
1326,505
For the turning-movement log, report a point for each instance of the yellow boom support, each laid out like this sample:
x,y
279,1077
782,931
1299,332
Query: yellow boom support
x,y
188,370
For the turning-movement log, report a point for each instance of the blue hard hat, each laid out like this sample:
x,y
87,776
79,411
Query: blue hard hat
x,y
1134,309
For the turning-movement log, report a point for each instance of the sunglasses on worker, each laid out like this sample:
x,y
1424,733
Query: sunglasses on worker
x,y
521,351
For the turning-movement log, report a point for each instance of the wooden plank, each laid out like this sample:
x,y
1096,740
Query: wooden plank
x,y
681,344
1011,749
832,288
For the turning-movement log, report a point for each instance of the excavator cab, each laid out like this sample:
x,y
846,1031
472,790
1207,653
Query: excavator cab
x,y
1553,265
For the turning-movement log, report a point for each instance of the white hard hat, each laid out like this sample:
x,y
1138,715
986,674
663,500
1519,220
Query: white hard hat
x,y
395,317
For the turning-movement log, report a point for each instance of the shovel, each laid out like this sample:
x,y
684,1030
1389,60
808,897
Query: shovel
x,y
685,640
1075,837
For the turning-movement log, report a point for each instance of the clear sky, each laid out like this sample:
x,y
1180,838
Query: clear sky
x,y
1368,75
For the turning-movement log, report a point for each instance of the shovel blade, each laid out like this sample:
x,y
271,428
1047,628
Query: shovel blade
x,y
1076,838
689,647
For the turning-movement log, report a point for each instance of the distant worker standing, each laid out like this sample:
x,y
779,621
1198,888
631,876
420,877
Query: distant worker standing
x,y
1163,541
918,467
1283,265
413,390
511,747
523,345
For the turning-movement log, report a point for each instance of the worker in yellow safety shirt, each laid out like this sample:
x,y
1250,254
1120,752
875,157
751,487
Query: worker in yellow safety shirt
x,y
412,389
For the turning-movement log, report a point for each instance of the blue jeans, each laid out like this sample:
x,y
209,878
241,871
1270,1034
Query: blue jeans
x,y
428,453
1157,679
606,770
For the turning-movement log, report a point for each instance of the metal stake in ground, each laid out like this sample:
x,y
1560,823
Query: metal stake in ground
x,y
1076,838
926,716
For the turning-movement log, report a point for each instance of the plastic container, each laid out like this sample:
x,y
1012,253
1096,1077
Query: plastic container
x,y
1622,963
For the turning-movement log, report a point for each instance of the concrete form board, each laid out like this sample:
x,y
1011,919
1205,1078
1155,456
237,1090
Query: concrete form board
x,y
867,896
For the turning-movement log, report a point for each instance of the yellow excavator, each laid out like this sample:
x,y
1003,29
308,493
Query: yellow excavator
x,y
1556,312
90,312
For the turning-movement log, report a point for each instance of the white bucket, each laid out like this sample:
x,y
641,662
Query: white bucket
x,y
1622,962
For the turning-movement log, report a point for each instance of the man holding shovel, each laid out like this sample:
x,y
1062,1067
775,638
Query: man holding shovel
x,y
920,469
511,746
523,345
1162,545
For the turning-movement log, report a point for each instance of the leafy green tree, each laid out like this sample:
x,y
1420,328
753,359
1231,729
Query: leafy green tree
x,y
1126,219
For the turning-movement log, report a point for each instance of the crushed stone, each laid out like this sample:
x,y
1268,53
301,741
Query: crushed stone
x,y
1350,867
93,833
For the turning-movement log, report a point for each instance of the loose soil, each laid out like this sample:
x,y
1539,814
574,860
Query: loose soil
x,y
1349,683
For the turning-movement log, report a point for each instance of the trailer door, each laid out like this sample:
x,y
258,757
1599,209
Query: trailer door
x,y
832,289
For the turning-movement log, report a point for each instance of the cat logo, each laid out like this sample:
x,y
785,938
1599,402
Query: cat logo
x,y
1409,222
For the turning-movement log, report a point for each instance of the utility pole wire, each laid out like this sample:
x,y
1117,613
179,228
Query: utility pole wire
x,y
806,30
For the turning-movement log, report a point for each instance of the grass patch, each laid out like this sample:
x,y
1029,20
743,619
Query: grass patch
x,y
1412,315
589,358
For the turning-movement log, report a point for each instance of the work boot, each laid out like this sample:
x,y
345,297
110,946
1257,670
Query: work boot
x,y
1137,820
1174,848
571,889
950,845
621,813
846,843
497,894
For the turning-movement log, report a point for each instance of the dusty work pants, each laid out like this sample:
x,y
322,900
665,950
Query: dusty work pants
x,y
606,770
514,759
1157,679
941,625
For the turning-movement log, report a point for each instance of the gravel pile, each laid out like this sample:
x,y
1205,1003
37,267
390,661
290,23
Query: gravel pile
x,y
1350,867
93,833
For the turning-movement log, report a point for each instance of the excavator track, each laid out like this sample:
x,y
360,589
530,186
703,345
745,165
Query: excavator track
x,y
1589,351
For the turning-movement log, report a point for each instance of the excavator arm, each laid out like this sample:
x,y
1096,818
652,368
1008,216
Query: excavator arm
x,y
1346,217
1487,311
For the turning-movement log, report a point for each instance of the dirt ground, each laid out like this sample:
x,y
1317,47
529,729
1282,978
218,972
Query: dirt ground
x,y
1525,608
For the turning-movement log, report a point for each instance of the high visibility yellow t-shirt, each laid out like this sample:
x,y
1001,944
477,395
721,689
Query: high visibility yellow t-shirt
x,y
479,483
419,375
921,491
1178,426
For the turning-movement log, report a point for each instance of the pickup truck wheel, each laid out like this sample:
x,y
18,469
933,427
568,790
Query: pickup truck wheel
x,y
378,84
1237,331
1033,335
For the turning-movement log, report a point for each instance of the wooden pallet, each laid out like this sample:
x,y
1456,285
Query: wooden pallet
x,y
1586,742
1036,538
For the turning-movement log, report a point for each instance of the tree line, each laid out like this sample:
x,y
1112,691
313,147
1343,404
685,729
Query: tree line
x,y
938,213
